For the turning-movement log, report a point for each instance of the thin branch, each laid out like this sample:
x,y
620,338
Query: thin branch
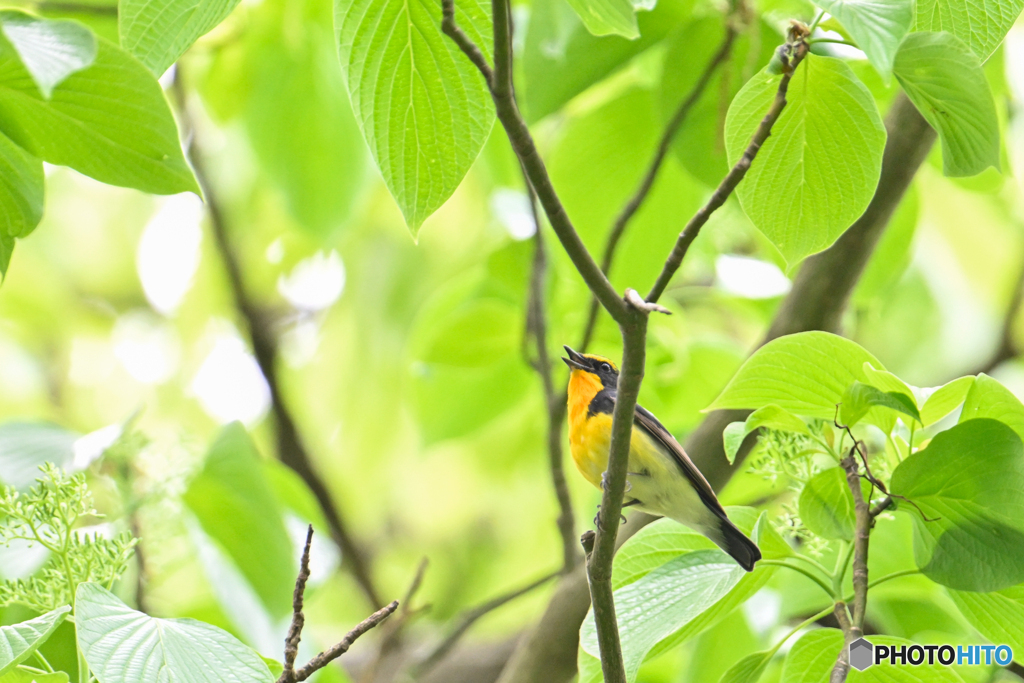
x,y
1007,346
329,655
469,618
792,53
291,450
291,641
553,402
391,640
634,203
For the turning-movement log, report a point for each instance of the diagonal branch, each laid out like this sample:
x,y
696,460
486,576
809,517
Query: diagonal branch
x,y
635,202
290,448
793,53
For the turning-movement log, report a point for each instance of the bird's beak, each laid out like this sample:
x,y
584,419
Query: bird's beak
x,y
575,360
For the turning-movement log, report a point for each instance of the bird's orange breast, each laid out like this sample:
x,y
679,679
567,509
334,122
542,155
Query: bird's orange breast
x,y
588,434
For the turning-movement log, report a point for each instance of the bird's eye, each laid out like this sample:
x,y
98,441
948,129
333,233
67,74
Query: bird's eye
x,y
605,367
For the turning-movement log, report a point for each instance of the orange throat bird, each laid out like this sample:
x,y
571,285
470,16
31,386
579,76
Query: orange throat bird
x,y
661,479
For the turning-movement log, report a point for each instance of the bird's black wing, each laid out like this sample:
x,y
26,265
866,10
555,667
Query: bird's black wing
x,y
646,421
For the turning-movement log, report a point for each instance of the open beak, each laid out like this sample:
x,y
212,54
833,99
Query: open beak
x,y
575,360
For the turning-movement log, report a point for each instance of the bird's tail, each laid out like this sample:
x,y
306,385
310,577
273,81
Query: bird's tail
x,y
733,541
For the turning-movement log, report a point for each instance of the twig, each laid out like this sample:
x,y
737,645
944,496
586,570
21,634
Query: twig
x,y
469,618
792,54
1007,347
553,402
634,203
392,632
329,655
291,641
291,450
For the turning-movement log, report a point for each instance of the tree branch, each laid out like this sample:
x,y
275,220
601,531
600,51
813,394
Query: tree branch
x,y
816,302
290,448
793,53
634,203
1007,347
553,402
329,655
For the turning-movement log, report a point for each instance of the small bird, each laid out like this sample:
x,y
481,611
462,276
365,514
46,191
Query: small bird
x,y
661,479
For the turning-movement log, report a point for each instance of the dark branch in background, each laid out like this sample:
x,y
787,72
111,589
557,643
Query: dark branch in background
x,y
391,640
291,643
290,448
816,302
469,618
554,403
634,203
1007,348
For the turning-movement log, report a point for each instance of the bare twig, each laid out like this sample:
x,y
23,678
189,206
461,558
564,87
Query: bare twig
x,y
290,447
792,53
329,655
391,640
664,145
553,402
291,641
469,618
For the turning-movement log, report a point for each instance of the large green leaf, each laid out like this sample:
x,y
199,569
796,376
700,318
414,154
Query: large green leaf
x,y
24,676
770,416
607,17
6,250
981,24
109,121
999,615
699,144
21,191
664,601
125,646
234,504
561,58
423,107
51,50
748,669
878,26
817,172
969,482
157,32
24,446
989,398
805,373
860,398
947,397
946,83
19,641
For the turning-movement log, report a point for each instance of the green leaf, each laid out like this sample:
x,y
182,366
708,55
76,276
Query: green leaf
x,y
21,193
423,107
109,121
805,373
607,17
748,669
6,250
980,24
157,32
664,601
474,335
817,172
24,446
946,398
771,417
51,50
946,83
999,616
989,398
699,144
826,505
562,58
19,641
234,504
877,26
125,646
970,481
860,398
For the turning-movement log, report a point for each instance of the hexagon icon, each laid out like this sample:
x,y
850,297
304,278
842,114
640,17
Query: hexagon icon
x,y
862,654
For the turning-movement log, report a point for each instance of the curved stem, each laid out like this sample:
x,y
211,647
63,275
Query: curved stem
x,y
814,563
810,575
838,41
894,575
840,573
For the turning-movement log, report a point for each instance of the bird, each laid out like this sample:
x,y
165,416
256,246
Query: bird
x,y
661,478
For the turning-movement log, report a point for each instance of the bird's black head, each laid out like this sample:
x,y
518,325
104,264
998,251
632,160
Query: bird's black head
x,y
597,365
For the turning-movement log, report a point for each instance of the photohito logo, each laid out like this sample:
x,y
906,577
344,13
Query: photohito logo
x,y
864,654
